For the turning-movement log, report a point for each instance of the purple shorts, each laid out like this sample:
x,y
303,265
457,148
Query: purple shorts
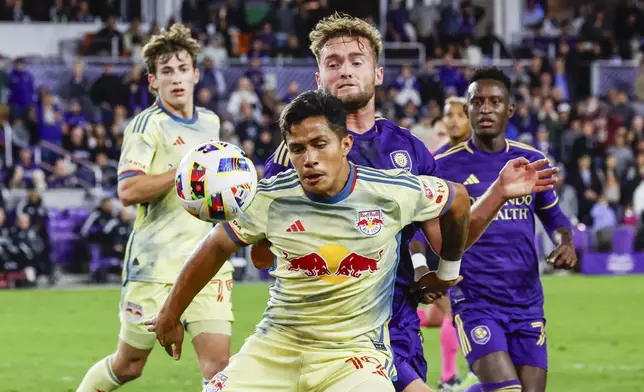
x,y
406,341
484,331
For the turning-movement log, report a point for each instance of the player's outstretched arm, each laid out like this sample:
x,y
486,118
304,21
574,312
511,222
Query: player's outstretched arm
x,y
144,188
204,262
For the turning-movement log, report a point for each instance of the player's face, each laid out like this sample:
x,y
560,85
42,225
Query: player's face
x,y
349,71
456,121
488,107
318,155
175,79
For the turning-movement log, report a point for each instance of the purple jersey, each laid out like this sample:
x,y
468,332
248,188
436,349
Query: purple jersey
x,y
501,268
384,146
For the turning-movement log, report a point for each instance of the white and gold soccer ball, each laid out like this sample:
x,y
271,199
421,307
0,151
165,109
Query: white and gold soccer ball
x,y
216,181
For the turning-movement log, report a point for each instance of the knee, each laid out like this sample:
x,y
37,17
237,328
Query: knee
x,y
214,364
127,369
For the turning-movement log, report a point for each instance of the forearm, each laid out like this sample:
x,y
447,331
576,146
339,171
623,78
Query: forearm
x,y
145,187
483,213
202,265
454,225
561,236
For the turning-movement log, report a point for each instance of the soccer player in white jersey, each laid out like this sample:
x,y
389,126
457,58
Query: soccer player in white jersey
x,y
325,328
164,233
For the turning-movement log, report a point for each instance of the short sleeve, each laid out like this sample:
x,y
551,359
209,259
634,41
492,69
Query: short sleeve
x,y
139,147
250,227
431,201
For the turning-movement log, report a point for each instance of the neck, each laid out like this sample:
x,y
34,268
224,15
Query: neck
x,y
186,112
489,144
455,141
340,182
363,119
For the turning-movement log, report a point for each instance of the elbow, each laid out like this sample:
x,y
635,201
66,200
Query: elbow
x,y
125,194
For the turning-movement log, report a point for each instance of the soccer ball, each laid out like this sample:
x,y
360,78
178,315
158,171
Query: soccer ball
x,y
216,181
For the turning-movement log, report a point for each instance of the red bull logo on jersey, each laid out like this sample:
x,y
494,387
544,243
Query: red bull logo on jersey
x,y
334,264
369,222
133,312
217,383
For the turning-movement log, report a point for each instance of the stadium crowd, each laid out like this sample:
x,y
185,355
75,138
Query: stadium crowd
x,y
598,141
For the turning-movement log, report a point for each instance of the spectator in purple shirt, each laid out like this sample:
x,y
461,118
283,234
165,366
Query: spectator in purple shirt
x,y
74,115
292,92
21,89
256,75
50,119
27,174
451,76
61,176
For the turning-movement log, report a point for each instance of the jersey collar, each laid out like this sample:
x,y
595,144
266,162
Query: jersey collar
x,y
177,118
343,194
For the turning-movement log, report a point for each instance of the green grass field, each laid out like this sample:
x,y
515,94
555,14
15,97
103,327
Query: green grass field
x,y
51,337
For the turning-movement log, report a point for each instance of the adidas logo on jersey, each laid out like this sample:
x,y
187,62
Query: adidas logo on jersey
x,y
178,141
471,180
296,227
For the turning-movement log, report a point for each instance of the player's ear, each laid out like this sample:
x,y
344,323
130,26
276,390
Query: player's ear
x,y
196,75
511,110
347,143
152,81
379,77
317,80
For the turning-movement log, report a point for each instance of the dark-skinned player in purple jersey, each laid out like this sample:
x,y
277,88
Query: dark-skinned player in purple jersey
x,y
498,307
347,51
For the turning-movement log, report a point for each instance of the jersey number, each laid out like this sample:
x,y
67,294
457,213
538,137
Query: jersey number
x,y
220,287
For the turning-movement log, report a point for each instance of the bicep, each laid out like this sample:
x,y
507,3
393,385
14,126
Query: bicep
x,y
222,240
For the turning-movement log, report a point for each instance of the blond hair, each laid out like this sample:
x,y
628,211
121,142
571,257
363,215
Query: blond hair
x,y
341,25
452,100
167,43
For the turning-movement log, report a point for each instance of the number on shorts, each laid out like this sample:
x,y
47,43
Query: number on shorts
x,y
220,288
542,332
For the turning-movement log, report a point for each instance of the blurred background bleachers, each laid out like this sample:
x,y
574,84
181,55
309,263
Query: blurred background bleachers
x,y
71,78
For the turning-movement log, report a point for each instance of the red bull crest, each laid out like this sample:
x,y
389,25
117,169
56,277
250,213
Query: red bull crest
x,y
217,383
370,222
133,312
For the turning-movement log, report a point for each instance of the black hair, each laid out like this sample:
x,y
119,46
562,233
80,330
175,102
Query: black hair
x,y
492,73
314,104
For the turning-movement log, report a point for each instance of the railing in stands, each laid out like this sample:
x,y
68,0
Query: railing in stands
x,y
67,155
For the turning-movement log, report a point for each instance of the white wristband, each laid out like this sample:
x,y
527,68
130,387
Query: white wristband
x,y
418,260
448,270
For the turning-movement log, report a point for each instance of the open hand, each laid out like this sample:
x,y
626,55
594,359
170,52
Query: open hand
x,y
519,177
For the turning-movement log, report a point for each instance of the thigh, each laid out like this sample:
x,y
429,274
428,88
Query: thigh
x,y
214,302
479,336
262,364
527,343
533,379
139,302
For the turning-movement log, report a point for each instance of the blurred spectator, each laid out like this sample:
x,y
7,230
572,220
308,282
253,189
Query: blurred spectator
x,y
213,79
74,115
50,119
139,97
256,75
267,39
118,232
292,91
622,154
58,12
587,184
31,247
407,87
247,128
77,145
284,17
108,173
25,131
532,14
568,200
429,85
83,14
244,93
265,145
134,39
106,38
27,174
248,146
205,99
21,89
61,176
38,215
604,222
4,81
215,49
108,91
